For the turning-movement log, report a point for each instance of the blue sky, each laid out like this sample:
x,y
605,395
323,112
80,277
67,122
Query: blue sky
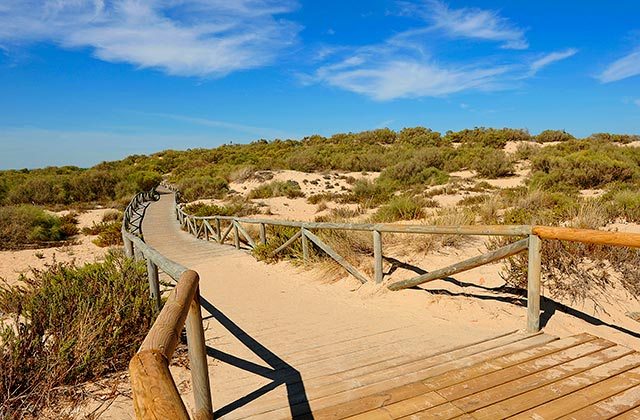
x,y
82,81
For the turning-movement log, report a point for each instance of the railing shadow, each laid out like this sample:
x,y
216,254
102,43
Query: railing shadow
x,y
279,371
548,306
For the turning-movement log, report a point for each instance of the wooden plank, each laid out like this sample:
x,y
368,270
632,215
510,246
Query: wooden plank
x,y
444,411
263,234
468,264
374,385
582,398
154,284
609,407
236,235
536,380
489,380
226,233
286,244
633,414
492,364
419,403
535,397
337,257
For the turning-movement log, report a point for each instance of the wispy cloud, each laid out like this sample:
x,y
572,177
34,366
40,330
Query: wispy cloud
x,y
472,23
206,122
637,102
550,58
627,66
209,38
404,65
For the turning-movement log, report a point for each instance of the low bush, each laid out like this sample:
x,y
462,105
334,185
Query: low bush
x,y
203,187
289,189
27,225
236,208
548,136
624,204
402,207
371,194
68,325
495,164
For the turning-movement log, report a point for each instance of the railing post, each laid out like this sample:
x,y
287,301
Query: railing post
x,y
377,256
198,360
236,235
263,234
218,232
533,284
128,246
154,283
305,245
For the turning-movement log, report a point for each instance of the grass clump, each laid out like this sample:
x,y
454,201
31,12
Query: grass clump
x,y
68,325
289,189
25,225
370,194
402,207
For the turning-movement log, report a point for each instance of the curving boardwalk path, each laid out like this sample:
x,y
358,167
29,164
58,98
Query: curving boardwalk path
x,y
284,346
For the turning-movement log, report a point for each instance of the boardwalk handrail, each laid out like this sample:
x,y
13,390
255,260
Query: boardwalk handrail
x,y
210,228
155,394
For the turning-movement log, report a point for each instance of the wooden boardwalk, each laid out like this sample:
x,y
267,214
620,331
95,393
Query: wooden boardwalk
x,y
276,353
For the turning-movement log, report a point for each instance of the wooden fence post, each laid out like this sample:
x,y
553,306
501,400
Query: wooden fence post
x,y
377,256
533,284
198,361
154,283
218,232
128,247
236,235
263,234
305,245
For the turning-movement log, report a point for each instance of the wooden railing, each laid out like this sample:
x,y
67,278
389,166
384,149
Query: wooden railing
x,y
219,228
155,394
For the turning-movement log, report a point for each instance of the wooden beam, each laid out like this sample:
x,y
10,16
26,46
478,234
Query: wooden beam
x,y
465,265
589,236
198,361
218,231
533,284
377,256
246,235
226,233
305,245
337,257
155,395
286,244
263,234
154,284
236,235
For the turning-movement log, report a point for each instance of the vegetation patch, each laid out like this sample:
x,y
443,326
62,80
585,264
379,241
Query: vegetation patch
x,y
29,226
289,189
66,325
402,207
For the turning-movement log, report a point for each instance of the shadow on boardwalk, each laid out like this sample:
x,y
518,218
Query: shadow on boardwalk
x,y
279,371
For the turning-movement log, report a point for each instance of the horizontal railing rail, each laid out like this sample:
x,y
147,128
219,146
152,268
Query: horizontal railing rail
x,y
155,394
221,228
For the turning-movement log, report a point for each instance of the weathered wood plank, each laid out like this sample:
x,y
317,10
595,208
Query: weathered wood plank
x,y
287,243
377,256
533,284
246,235
465,265
337,257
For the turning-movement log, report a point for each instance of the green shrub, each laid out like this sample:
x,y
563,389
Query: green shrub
x,y
69,325
203,187
424,168
370,194
526,151
237,208
495,164
421,137
402,207
30,225
487,137
623,204
548,136
289,189
615,138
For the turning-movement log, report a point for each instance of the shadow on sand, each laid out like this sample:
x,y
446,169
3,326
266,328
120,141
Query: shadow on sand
x,y
279,371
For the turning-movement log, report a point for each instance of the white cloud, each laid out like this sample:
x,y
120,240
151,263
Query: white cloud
x,y
208,38
474,23
637,102
407,78
550,58
622,68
